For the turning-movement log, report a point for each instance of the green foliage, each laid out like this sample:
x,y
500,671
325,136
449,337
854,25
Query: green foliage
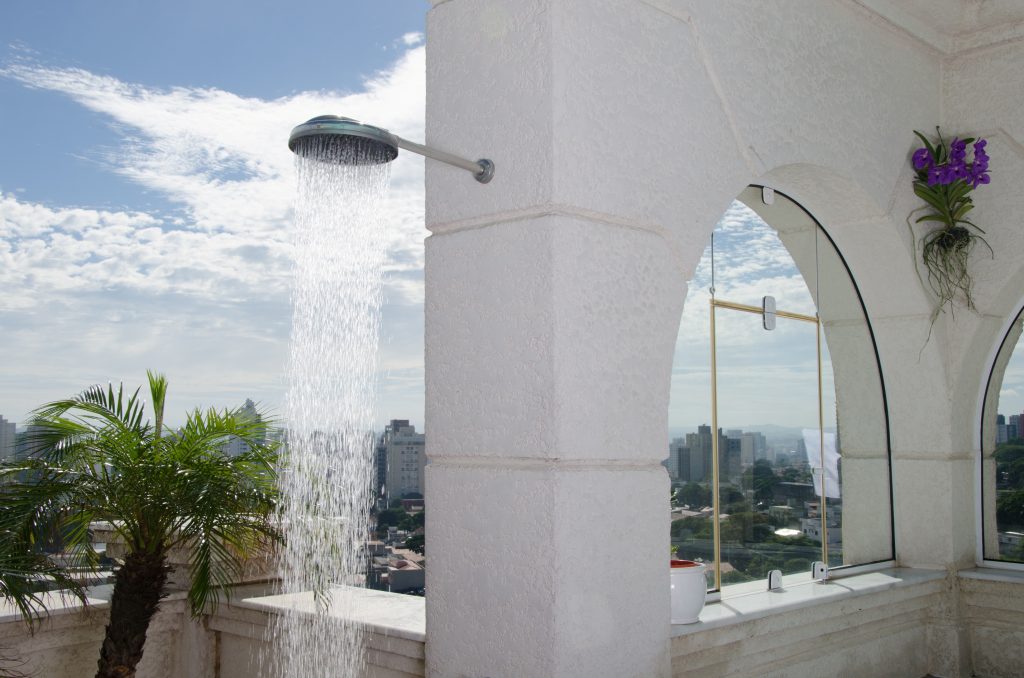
x,y
25,571
403,520
798,540
1010,509
416,543
696,527
794,565
95,458
739,527
693,495
389,518
735,577
411,521
792,474
1010,463
945,251
763,481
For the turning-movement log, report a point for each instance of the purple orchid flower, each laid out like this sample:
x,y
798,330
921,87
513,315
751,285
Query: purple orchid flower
x,y
922,158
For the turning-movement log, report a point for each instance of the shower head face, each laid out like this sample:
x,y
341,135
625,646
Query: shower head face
x,y
344,141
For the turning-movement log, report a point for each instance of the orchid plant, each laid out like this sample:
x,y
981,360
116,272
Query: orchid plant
x,y
944,181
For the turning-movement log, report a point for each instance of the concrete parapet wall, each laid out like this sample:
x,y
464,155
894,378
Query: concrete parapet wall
x,y
239,631
67,643
878,634
951,626
992,609
901,623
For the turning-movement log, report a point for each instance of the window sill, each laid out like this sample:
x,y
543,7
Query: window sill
x,y
1012,576
741,606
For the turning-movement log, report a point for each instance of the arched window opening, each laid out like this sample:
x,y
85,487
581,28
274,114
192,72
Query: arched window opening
x,y
1002,449
779,452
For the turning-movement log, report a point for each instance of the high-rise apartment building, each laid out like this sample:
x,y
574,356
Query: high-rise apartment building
x,y
236,446
405,453
678,462
8,438
753,446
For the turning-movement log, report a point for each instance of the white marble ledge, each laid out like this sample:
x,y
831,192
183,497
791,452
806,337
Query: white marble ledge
x,y
737,609
390,614
1011,576
56,604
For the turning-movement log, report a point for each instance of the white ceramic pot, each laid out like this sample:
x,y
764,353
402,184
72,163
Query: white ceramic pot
x,y
689,589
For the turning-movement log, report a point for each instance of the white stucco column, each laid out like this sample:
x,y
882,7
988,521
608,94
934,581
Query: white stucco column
x,y
553,299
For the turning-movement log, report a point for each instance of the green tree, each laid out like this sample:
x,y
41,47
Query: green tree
x,y
1010,463
94,458
25,575
410,521
693,495
763,481
796,565
389,518
416,543
1010,508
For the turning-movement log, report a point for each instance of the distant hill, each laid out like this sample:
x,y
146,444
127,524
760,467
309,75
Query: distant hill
x,y
772,432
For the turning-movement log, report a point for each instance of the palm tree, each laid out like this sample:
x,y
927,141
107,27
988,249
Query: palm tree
x,y
25,574
94,458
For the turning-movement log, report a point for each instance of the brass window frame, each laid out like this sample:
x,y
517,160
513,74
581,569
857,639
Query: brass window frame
x,y
715,499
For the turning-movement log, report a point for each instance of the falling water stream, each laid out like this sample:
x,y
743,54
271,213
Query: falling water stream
x,y
326,481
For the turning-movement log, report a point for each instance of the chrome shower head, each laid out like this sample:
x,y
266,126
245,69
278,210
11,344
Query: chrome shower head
x,y
345,141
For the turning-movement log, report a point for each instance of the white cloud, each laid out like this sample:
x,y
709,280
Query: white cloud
x,y
201,292
412,39
222,158
763,376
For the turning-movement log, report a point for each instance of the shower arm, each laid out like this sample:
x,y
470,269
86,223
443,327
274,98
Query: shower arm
x,y
483,169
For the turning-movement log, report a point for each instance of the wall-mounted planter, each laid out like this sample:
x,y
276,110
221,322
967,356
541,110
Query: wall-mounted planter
x,y
689,589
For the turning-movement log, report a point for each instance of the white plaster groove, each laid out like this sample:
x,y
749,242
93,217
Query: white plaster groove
x,y
1010,140
561,210
931,40
537,464
543,210
971,43
949,46
928,456
664,8
750,157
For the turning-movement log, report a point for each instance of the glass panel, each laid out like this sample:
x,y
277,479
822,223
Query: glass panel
x,y
852,386
770,515
690,447
855,409
1002,489
794,261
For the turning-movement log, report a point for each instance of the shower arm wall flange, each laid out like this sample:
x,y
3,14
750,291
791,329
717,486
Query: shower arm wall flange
x,y
483,169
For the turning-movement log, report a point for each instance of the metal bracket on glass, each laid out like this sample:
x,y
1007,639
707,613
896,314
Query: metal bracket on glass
x,y
775,580
768,312
819,571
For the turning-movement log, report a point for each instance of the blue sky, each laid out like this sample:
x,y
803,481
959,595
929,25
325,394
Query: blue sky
x,y
146,195
146,188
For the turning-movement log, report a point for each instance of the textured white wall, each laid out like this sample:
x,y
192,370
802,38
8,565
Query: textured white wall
x,y
621,130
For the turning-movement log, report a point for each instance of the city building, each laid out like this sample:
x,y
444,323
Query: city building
x,y
753,446
236,446
699,444
675,454
8,439
404,453
620,130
